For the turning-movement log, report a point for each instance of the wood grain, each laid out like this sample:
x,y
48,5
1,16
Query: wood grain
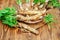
x,y
7,33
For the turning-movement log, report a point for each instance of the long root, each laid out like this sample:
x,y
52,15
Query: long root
x,y
29,14
23,18
33,22
28,28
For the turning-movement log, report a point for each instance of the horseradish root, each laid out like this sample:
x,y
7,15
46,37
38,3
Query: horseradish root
x,y
23,18
28,28
33,22
31,12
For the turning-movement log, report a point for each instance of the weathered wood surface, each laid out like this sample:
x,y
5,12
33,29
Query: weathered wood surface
x,y
7,33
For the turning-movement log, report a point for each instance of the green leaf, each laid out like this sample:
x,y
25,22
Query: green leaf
x,y
36,1
10,20
11,11
42,1
54,3
27,1
19,1
7,16
39,1
48,18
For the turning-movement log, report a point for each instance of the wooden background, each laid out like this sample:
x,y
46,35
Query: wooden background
x,y
7,33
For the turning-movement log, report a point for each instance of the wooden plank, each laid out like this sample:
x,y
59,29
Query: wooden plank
x,y
7,33
45,34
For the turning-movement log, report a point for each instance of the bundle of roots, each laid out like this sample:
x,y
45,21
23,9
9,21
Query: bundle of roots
x,y
28,13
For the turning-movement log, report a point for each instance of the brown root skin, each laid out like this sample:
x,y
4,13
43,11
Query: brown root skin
x,y
23,18
20,17
33,22
28,28
30,12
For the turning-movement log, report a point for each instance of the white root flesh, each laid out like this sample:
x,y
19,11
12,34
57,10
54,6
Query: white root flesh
x,y
28,28
35,17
